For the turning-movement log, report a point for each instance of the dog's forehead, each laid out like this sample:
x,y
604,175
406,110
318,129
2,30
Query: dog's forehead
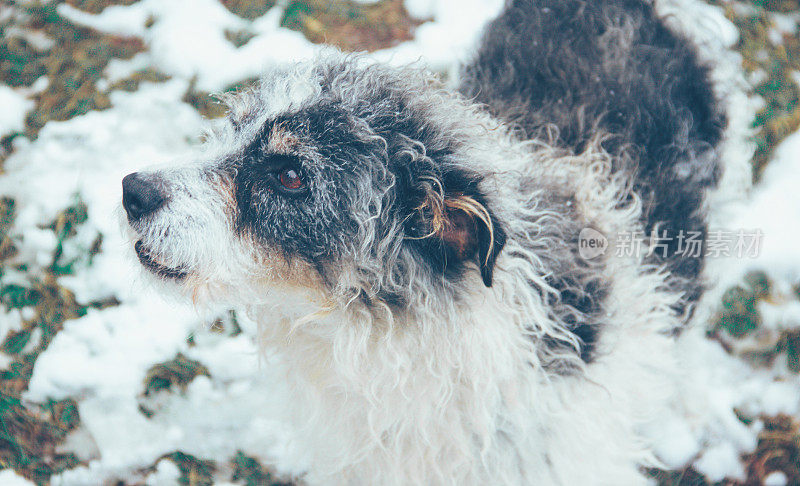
x,y
280,91
318,132
337,115
315,90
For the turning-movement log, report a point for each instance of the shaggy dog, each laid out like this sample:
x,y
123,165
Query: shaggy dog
x,y
414,253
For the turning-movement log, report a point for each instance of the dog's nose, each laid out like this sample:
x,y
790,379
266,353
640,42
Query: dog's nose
x,y
141,196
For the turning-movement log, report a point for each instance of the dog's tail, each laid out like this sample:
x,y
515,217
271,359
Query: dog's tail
x,y
611,66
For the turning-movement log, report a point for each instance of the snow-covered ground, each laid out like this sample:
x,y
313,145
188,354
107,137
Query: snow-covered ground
x,y
101,359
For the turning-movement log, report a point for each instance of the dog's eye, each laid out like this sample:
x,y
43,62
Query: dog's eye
x,y
290,179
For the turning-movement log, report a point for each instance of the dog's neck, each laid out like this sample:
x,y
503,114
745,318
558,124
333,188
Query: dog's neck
x,y
403,387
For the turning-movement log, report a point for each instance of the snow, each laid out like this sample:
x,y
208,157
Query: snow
x,y
101,359
776,479
5,361
195,45
774,205
9,478
166,473
457,28
421,9
676,443
720,462
12,115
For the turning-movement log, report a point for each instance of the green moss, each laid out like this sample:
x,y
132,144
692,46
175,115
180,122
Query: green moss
x,y
790,344
175,373
239,37
249,9
194,471
350,25
785,6
65,227
248,471
229,324
30,433
73,64
97,6
132,82
206,103
779,117
20,63
64,413
15,296
16,341
8,248
739,315
684,477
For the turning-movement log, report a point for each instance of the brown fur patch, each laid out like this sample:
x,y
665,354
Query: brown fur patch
x,y
464,207
282,141
454,219
459,233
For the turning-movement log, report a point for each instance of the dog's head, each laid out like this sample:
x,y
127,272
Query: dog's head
x,y
335,179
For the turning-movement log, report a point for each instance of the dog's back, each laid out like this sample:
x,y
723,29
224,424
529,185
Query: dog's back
x,y
611,68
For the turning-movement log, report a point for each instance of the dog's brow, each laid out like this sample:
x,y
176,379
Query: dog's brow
x,y
282,141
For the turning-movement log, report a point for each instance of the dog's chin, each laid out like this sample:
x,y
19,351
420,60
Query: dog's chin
x,y
160,270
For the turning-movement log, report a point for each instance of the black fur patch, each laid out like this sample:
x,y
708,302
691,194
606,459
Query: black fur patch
x,y
581,290
316,225
580,307
611,66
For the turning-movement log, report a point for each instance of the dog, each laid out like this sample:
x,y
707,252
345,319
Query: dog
x,y
414,252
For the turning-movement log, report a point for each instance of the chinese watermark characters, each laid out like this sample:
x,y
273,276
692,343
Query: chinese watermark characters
x,y
741,243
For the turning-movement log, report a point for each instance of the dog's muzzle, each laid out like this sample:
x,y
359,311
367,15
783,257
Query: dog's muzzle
x,y
141,196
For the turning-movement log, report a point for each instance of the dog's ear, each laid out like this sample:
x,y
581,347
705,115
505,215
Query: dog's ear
x,y
463,227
